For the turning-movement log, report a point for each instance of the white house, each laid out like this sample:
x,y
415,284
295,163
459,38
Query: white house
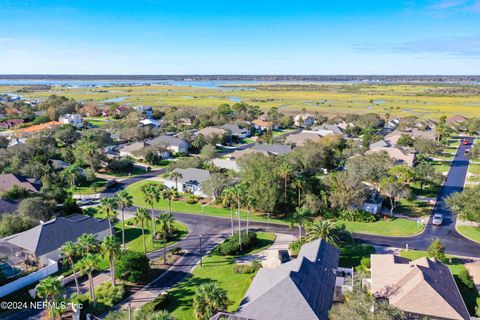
x,y
190,181
73,119
304,120
173,144
150,123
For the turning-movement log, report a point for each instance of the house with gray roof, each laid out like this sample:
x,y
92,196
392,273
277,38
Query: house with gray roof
x,y
171,143
130,149
302,288
236,131
44,241
9,180
275,149
190,181
7,206
326,129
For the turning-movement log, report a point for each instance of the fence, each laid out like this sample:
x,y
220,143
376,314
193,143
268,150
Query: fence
x,y
29,279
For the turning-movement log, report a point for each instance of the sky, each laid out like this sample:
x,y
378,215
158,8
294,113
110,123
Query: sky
x,y
240,37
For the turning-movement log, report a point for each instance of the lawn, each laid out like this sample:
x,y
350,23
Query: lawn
x,y
470,232
218,269
197,208
352,253
95,187
474,168
441,166
391,227
456,267
97,123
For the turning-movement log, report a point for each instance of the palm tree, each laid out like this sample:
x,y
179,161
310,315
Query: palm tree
x,y
69,251
325,230
109,206
141,217
151,195
300,217
124,200
209,299
110,248
175,176
299,184
88,265
240,192
87,243
166,224
49,289
70,175
228,199
169,194
250,204
285,170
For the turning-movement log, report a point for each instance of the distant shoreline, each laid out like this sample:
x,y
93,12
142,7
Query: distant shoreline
x,y
266,78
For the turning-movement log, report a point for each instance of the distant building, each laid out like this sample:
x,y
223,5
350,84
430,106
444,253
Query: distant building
x,y
8,124
75,120
89,111
211,131
326,130
190,181
263,125
397,154
300,139
150,123
422,288
236,131
9,180
175,145
32,130
373,202
304,120
129,150
455,119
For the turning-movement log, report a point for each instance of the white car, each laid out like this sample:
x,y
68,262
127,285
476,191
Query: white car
x,y
437,219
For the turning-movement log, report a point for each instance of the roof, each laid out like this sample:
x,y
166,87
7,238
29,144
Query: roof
x,y
395,153
207,131
134,147
7,206
150,122
234,129
51,235
299,139
193,175
276,149
455,119
8,180
262,123
167,140
381,143
39,127
300,289
424,286
333,128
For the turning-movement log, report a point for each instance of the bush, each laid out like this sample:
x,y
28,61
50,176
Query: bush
x,y
109,295
15,193
231,245
246,268
192,200
132,266
176,250
364,265
15,223
465,278
70,206
356,216
121,165
295,247
157,304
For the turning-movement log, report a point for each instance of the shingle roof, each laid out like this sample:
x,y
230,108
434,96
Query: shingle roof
x,y
166,140
277,149
134,147
193,175
424,286
51,235
8,180
234,129
300,289
301,138
211,131
7,206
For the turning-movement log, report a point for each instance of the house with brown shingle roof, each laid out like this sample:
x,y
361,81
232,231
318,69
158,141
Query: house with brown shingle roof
x,y
397,154
300,139
423,287
89,111
37,128
9,180
263,125
455,119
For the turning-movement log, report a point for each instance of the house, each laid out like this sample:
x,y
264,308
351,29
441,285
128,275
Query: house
x,y
11,123
37,128
422,288
129,150
9,180
300,139
45,240
122,110
190,181
397,154
326,129
89,111
304,120
150,123
263,125
392,124
394,136
211,131
373,202
381,144
7,206
343,125
303,288
236,131
275,149
175,145
455,119
73,119
148,111
12,111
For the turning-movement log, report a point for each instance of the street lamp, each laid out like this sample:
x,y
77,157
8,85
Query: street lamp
x,y
201,262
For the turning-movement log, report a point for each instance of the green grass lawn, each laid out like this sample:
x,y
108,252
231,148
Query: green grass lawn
x,y
218,269
391,227
474,168
181,206
97,123
441,166
456,267
90,189
472,233
135,171
352,253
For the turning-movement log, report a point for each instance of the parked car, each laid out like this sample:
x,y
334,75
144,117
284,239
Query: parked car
x,y
110,183
85,202
437,219
466,142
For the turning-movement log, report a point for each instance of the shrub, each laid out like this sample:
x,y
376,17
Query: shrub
x,y
109,295
465,278
132,266
356,216
121,165
246,268
295,247
157,304
437,250
231,245
176,250
15,193
192,200
364,265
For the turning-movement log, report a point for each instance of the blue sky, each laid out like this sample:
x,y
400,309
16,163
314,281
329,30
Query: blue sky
x,y
240,37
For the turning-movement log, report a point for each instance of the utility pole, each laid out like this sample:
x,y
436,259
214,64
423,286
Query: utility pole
x,y
201,258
